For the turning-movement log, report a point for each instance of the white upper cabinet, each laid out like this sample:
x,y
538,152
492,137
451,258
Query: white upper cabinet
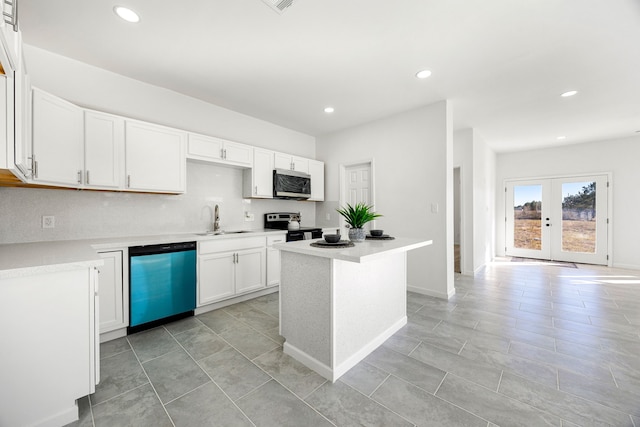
x,y
258,181
218,150
103,150
10,41
58,146
155,158
289,162
316,170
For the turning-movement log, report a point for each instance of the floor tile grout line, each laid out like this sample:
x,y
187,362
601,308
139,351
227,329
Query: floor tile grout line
x,y
500,381
211,378
379,385
120,394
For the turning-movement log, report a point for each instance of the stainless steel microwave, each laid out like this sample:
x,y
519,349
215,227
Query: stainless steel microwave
x,y
289,184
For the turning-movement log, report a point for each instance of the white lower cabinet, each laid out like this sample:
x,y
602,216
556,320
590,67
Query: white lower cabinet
x,y
273,260
113,295
50,344
229,267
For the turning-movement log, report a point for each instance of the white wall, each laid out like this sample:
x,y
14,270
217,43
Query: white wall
x,y
477,165
413,158
85,214
103,90
620,157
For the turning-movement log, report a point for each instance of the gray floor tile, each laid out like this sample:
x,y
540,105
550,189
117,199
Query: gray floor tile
x,y
267,305
118,374
238,308
364,377
200,342
480,338
567,406
206,406
174,374
273,405
514,334
447,342
182,325
248,341
218,320
274,334
597,391
85,418
409,369
345,406
492,406
289,372
420,407
233,372
113,347
468,369
257,319
401,344
152,343
137,408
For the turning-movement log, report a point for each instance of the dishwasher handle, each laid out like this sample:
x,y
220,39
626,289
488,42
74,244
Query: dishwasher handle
x,y
161,248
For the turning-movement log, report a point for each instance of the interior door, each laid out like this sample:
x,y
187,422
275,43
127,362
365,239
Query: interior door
x,y
357,188
560,219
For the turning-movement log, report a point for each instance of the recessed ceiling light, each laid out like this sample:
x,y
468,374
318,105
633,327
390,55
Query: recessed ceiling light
x,y
569,93
329,110
126,14
561,137
423,74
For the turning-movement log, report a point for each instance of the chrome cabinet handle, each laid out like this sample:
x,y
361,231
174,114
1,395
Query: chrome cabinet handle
x,y
128,181
79,177
256,190
35,168
87,178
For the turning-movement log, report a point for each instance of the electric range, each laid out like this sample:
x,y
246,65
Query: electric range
x,y
280,221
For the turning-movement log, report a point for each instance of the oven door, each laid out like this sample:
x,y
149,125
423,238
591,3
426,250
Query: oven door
x,y
291,185
293,236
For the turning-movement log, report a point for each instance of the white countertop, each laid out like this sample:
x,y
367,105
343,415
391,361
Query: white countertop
x,y
361,252
24,259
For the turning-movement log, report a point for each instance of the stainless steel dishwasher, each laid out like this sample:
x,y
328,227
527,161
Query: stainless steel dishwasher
x,y
162,284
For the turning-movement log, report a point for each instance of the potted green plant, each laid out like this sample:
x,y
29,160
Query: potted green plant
x,y
356,217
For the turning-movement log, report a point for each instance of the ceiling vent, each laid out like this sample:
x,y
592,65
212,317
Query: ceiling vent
x,y
279,5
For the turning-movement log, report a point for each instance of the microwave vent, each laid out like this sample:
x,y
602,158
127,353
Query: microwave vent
x,y
279,5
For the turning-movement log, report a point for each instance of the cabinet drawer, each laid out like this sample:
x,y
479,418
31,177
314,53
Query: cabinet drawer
x,y
226,245
281,238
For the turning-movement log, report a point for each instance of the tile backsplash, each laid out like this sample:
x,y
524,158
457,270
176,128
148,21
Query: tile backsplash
x,y
97,214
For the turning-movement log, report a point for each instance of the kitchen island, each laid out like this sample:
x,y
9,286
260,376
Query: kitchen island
x,y
337,305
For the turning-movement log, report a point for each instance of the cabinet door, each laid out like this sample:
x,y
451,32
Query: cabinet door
x,y
155,158
316,170
103,150
250,270
57,140
273,261
111,292
216,277
22,119
282,161
300,164
262,173
203,147
238,154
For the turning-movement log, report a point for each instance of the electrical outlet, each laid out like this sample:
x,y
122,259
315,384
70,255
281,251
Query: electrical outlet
x,y
48,221
328,217
248,217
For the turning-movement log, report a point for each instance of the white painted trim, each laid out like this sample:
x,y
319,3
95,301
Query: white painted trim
x,y
359,355
62,418
309,361
628,266
430,293
112,335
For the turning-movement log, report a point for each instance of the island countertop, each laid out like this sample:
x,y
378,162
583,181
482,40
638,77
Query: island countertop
x,y
361,252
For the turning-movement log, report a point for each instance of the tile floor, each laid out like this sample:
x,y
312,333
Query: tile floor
x,y
518,345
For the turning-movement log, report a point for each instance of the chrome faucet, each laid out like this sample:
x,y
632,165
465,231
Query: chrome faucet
x,y
216,219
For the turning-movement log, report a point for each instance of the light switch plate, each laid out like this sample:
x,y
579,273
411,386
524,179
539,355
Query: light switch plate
x,y
248,217
434,208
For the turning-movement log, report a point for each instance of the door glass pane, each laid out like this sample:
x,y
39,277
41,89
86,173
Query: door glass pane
x,y
527,216
579,217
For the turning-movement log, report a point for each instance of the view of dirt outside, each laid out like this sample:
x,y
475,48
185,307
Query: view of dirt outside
x,y
577,236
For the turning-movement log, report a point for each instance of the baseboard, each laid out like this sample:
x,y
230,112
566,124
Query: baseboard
x,y
235,300
112,335
335,373
430,293
63,418
356,358
627,266
309,361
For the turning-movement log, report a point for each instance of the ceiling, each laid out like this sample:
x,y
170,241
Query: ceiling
x,y
502,63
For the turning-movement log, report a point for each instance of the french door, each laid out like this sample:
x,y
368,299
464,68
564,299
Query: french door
x,y
560,219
